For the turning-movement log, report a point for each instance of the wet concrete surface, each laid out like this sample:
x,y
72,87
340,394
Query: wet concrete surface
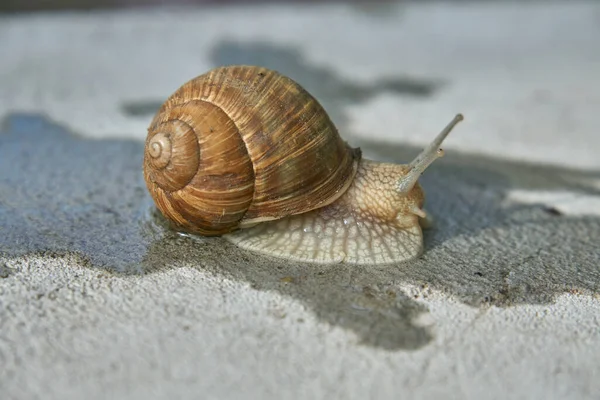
x,y
63,194
100,297
333,92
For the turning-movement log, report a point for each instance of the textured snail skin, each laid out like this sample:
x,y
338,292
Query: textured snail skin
x,y
370,224
246,153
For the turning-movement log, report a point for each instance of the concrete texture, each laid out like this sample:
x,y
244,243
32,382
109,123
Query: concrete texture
x,y
100,299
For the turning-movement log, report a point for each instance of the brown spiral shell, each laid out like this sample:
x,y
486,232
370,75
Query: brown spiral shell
x,y
243,144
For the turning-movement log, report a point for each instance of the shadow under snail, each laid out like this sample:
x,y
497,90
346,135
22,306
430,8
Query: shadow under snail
x,y
246,153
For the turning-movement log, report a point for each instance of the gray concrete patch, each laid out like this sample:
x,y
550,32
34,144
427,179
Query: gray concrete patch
x,y
63,193
100,298
331,91
87,197
5,271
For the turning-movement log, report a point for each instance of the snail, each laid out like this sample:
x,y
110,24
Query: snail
x,y
246,153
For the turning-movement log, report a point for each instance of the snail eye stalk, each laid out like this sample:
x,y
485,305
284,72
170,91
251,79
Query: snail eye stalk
x,y
426,158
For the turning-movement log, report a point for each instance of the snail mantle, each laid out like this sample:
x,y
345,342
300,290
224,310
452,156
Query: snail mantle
x,y
246,153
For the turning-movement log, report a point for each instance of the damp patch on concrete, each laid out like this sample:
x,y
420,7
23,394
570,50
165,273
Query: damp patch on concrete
x,y
69,195
324,84
316,79
63,194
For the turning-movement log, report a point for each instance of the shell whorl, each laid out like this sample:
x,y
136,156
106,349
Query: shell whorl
x,y
173,153
159,150
263,148
197,168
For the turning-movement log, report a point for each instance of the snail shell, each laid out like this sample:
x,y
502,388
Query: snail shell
x,y
241,145
246,153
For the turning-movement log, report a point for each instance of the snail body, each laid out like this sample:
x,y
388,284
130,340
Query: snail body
x,y
246,153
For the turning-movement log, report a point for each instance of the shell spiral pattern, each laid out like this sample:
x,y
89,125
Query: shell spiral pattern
x,y
241,145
